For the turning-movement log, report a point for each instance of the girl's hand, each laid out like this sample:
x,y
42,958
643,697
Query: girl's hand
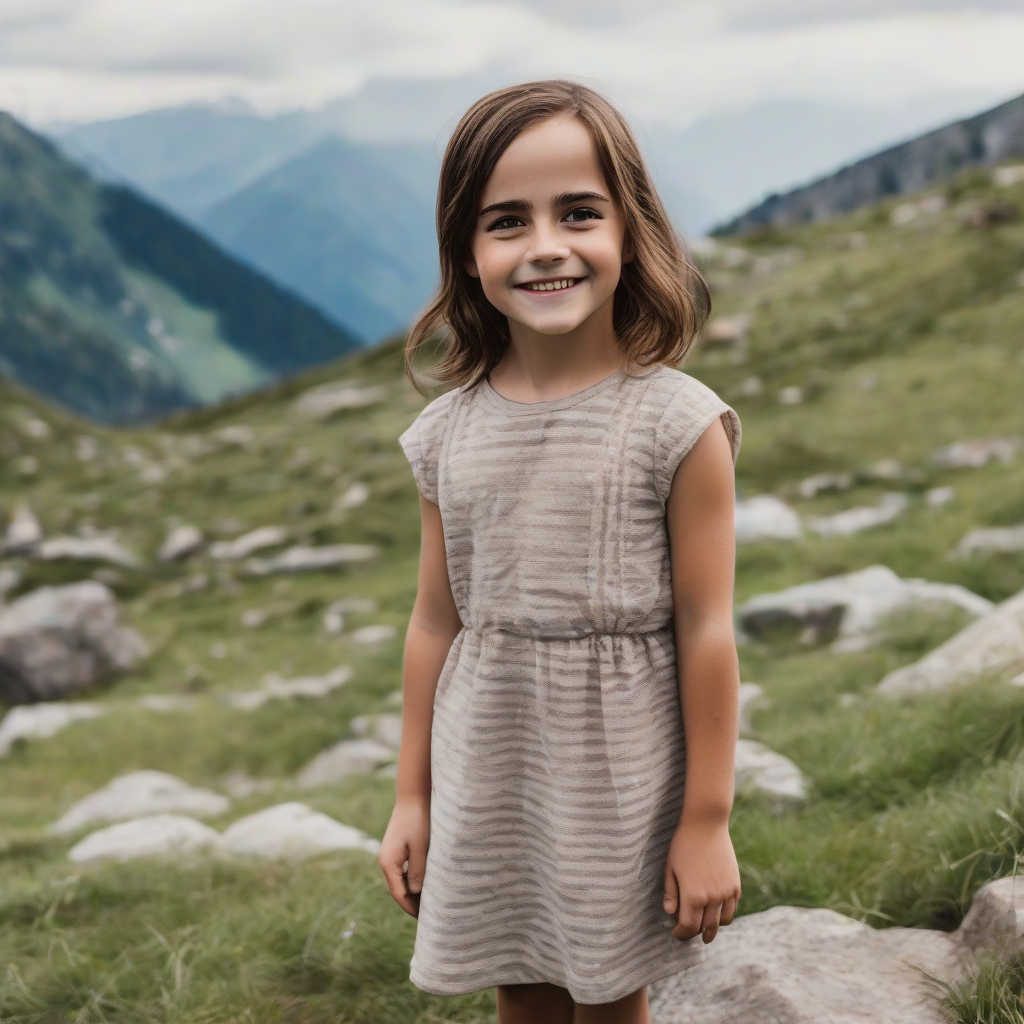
x,y
403,851
702,880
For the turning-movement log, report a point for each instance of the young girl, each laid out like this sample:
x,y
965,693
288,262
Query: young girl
x,y
573,620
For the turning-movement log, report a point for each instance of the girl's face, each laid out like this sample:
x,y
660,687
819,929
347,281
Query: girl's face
x,y
548,245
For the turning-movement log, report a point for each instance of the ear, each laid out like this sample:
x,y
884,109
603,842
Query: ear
x,y
471,268
628,252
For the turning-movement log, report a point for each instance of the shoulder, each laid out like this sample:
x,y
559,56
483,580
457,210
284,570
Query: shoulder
x,y
431,420
670,388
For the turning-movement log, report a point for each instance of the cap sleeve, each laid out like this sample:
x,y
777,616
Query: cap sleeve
x,y
692,409
422,444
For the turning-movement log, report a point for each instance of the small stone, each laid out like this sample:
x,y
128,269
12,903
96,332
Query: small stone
x,y
791,396
23,531
759,769
354,496
41,721
883,469
823,483
374,634
236,434
86,448
311,559
936,497
249,543
862,517
326,399
752,387
349,757
977,453
998,539
1007,177
181,542
166,703
292,831
765,517
241,786
750,695
730,330
161,835
138,795
386,727
87,549
10,578
275,688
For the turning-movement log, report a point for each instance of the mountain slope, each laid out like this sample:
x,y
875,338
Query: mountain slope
x,y
114,308
985,139
336,227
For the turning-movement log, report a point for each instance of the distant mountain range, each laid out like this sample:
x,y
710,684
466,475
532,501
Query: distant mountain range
x,y
118,310
985,139
337,203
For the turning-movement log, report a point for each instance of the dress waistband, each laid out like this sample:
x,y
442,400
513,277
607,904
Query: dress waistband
x,y
589,634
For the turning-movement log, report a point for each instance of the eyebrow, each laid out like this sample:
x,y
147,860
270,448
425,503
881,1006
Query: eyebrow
x,y
564,199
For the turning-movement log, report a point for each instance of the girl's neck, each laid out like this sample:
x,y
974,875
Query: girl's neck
x,y
545,367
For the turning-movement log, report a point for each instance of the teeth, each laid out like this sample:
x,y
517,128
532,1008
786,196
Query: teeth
x,y
551,286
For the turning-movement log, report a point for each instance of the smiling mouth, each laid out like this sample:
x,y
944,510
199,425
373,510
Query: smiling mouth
x,y
559,285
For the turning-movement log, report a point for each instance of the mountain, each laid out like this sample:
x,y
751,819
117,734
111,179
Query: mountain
x,y
899,340
342,230
116,309
982,140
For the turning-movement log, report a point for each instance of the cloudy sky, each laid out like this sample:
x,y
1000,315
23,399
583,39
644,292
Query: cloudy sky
x,y
666,60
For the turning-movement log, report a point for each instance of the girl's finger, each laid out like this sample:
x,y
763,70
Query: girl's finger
x,y
417,867
728,910
710,921
671,898
395,877
689,920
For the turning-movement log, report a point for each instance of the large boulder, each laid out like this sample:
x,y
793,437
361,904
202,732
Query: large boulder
x,y
349,757
57,640
991,647
991,540
852,605
791,965
41,721
160,835
139,795
292,831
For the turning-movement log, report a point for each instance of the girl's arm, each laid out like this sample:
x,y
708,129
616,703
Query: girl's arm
x,y
433,627
702,881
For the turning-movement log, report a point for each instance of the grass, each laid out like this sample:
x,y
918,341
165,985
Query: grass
x,y
914,803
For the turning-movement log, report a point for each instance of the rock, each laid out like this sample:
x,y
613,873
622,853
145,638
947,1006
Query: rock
x,y
751,387
327,399
765,517
761,770
292,831
374,634
730,330
10,577
852,605
249,543
86,448
310,559
1003,539
993,646
936,497
181,542
349,757
61,639
883,469
386,727
166,703
334,616
791,396
236,434
87,549
352,497
242,786
139,795
23,531
793,965
161,835
41,721
862,517
978,453
825,482
276,688
750,695
1007,177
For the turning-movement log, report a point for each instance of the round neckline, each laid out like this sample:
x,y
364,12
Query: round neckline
x,y
551,404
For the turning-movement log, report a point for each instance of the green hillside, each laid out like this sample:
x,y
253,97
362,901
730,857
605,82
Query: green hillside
x,y
118,311
900,339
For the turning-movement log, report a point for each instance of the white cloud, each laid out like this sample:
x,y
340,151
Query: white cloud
x,y
86,59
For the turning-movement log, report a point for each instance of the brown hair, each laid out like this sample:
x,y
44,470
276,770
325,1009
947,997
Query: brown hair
x,y
661,302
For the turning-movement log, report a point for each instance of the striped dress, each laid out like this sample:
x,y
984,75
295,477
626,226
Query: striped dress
x,y
557,743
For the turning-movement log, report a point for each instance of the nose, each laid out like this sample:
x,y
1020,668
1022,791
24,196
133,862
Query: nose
x,y
546,244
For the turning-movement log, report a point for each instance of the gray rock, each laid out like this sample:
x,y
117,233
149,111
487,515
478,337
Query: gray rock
x,y
181,542
862,517
761,770
354,496
978,453
87,549
991,647
249,543
852,605
10,577
162,835
327,399
166,703
349,757
334,616
139,795
311,559
823,483
386,727
765,517
292,831
791,965
23,531
374,634
936,497
62,639
275,688
41,721
997,539
750,696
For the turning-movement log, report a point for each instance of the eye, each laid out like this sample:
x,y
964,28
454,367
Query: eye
x,y
581,214
505,224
